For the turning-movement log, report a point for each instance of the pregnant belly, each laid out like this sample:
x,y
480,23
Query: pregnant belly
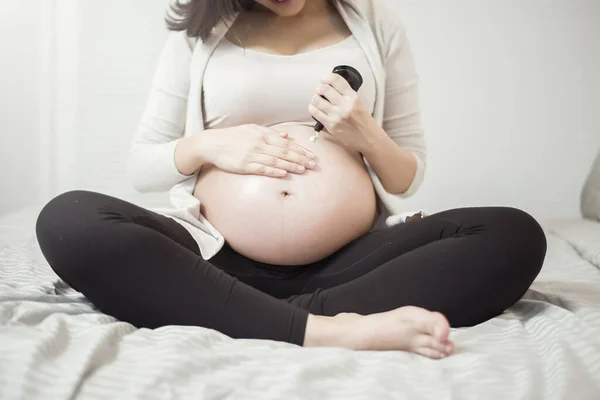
x,y
294,220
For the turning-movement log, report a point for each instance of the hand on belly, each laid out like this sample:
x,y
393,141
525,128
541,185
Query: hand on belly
x,y
297,219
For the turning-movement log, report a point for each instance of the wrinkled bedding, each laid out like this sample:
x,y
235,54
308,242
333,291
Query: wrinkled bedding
x,y
55,345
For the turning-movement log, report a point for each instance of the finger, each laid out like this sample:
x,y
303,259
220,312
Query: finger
x,y
286,154
322,104
261,169
330,93
278,163
268,132
338,83
289,145
319,115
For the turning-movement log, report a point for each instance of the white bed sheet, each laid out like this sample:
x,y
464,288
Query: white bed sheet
x,y
55,345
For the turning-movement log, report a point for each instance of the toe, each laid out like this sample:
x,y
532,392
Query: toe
x,y
436,325
442,327
423,341
429,352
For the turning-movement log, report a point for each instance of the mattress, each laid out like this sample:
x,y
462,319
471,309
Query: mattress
x,y
56,345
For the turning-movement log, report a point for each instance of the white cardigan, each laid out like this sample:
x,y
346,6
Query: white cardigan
x,y
174,110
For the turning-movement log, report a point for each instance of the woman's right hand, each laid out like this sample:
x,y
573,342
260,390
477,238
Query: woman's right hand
x,y
255,149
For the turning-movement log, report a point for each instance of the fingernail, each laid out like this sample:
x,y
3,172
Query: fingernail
x,y
309,154
312,164
301,168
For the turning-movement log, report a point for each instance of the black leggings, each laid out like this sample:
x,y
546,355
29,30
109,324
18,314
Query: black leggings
x,y
144,268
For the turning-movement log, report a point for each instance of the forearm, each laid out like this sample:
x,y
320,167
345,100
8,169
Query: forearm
x,y
190,154
395,167
156,167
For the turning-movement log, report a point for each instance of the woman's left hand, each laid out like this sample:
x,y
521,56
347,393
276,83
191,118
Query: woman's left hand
x,y
342,112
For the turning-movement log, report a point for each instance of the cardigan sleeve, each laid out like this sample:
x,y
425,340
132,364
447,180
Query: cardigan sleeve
x,y
402,114
151,164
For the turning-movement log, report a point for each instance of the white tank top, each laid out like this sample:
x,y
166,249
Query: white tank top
x,y
244,86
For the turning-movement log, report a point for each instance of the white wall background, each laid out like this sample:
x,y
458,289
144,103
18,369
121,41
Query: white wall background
x,y
19,104
510,95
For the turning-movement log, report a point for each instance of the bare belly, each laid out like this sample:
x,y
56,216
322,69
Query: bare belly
x,y
294,220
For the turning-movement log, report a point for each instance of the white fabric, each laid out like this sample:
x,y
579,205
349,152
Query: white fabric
x,y
55,345
175,110
243,86
590,197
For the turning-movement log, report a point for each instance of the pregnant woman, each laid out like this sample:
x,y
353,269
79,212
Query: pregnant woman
x,y
272,235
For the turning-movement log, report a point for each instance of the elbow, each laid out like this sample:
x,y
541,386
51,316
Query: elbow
x,y
139,176
136,177
412,189
417,179
152,170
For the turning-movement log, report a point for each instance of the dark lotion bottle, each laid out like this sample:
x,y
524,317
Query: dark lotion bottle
x,y
355,80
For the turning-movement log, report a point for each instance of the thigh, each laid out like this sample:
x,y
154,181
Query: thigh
x,y
376,248
98,218
381,246
93,212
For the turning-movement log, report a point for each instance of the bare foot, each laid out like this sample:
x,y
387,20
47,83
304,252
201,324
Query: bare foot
x,y
411,329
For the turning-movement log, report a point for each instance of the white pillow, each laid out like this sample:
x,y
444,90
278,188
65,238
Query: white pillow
x,y
590,196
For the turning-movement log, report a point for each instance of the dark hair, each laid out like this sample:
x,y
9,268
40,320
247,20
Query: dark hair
x,y
199,17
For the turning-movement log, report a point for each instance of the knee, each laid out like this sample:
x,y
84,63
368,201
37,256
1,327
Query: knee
x,y
525,236
56,214
61,227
